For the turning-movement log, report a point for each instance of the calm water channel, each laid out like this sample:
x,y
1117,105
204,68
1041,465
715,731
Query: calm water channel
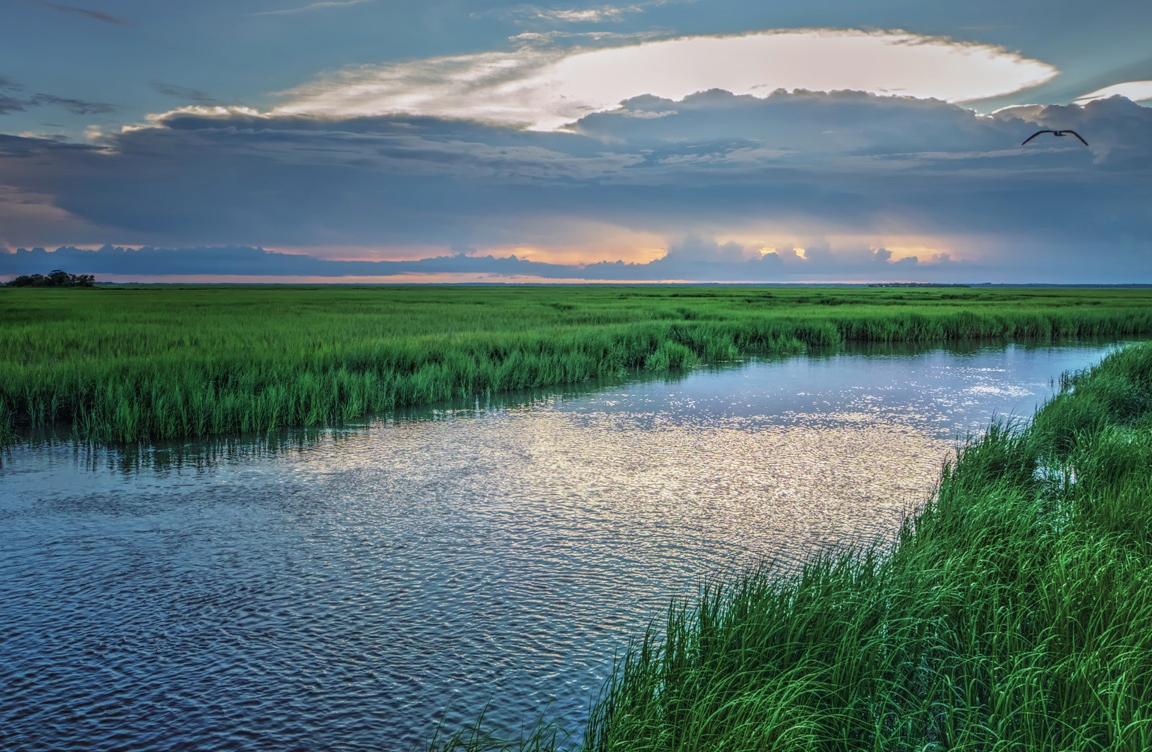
x,y
341,590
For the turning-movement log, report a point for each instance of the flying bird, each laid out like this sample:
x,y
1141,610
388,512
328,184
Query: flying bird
x,y
1055,133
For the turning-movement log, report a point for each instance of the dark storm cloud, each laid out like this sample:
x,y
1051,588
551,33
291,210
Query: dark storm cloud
x,y
712,165
85,12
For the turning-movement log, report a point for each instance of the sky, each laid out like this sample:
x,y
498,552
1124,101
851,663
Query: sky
x,y
658,140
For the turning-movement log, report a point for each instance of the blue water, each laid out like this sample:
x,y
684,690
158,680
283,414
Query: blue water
x,y
346,590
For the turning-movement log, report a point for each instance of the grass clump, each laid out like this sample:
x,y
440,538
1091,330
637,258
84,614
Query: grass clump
x,y
146,363
1013,612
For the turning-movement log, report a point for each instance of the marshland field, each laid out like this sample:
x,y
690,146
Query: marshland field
x,y
594,518
127,363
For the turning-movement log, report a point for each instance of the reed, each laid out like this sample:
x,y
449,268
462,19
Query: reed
x,y
127,364
1013,612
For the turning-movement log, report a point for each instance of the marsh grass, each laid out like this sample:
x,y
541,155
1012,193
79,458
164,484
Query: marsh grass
x,y
121,365
1013,612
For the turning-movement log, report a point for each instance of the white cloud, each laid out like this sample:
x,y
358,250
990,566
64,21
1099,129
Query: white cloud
x,y
535,15
587,15
1137,91
547,89
312,6
544,38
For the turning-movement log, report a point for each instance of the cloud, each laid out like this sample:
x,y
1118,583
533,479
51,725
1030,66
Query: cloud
x,y
248,261
93,14
1137,91
692,259
799,185
1114,128
24,213
11,104
596,14
75,106
182,92
412,147
547,89
312,7
535,15
538,39
11,101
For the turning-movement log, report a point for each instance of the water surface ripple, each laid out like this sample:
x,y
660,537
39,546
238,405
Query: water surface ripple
x,y
341,593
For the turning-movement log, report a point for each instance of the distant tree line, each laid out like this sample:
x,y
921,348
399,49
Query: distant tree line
x,y
55,278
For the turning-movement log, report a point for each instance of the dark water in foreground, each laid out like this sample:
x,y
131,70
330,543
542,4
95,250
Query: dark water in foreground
x,y
341,592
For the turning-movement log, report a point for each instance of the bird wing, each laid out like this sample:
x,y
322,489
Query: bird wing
x,y
1037,133
1077,135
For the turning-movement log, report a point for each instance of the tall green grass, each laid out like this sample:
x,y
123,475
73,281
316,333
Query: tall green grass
x,y
1013,612
130,364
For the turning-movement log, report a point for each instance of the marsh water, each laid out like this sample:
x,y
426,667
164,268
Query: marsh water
x,y
346,589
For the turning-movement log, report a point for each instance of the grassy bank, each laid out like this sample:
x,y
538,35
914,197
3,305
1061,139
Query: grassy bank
x,y
136,363
1014,613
